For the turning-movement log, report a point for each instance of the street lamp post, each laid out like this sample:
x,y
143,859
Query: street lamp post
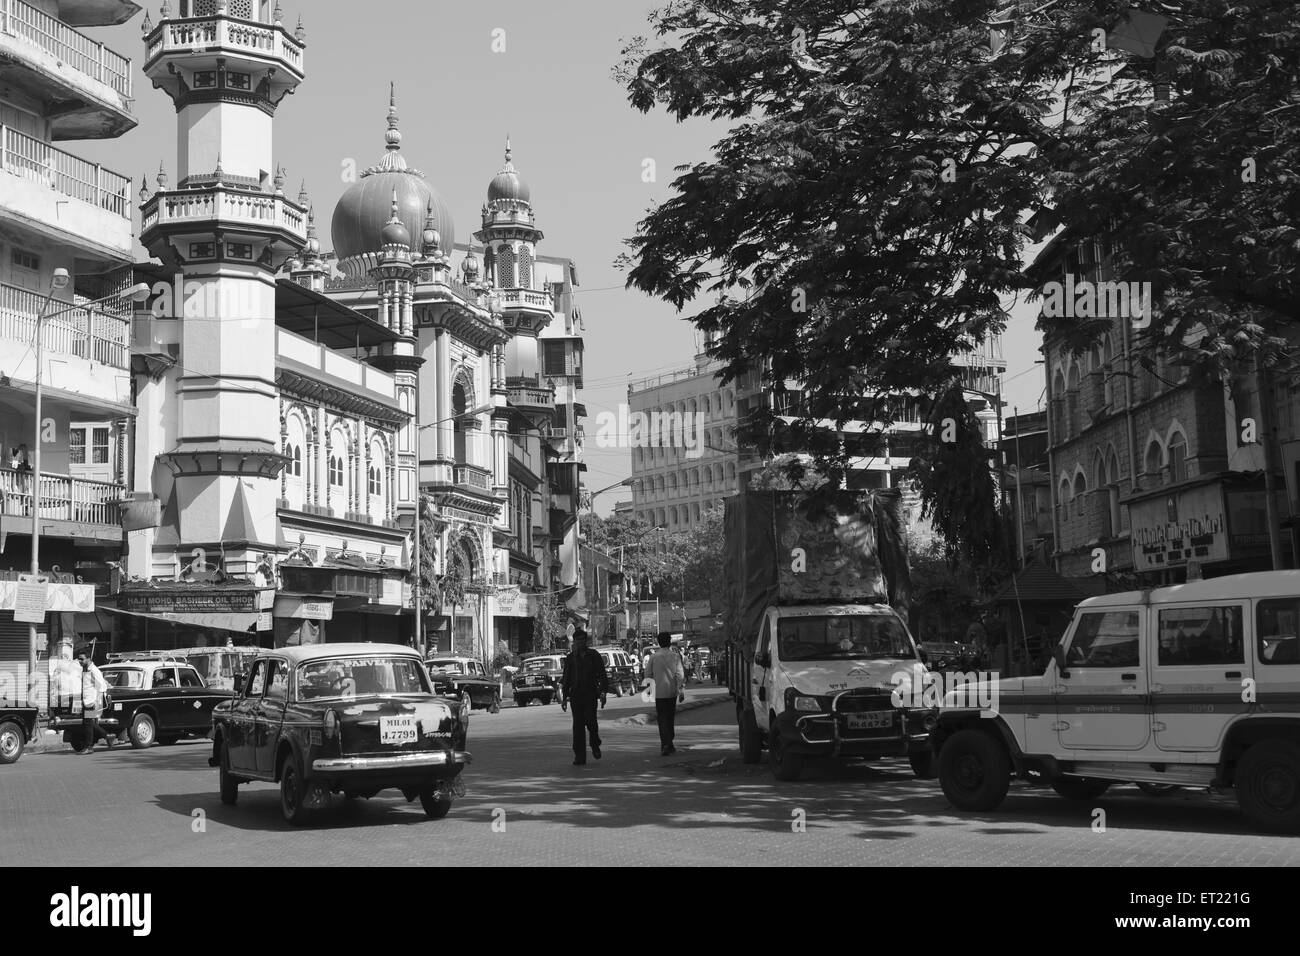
x,y
419,520
60,279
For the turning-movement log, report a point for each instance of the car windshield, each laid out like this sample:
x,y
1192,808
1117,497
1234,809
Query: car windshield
x,y
342,678
843,637
540,664
447,667
123,676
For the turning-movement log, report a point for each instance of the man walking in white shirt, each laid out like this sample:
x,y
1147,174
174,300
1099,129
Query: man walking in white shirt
x,y
670,688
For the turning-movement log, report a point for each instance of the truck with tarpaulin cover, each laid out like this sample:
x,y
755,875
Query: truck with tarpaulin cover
x,y
816,647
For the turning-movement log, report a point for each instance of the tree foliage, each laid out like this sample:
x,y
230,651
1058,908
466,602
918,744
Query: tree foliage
x,y
864,216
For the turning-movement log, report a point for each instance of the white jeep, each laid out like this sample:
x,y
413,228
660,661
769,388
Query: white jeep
x,y
1193,685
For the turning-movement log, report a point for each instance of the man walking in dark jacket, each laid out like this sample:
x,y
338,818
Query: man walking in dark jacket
x,y
582,683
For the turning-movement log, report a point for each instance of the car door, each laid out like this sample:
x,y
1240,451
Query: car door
x,y
165,696
1198,674
240,725
196,701
268,716
1101,696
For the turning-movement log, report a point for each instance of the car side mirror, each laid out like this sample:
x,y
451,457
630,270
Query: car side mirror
x,y
924,655
1058,655
764,660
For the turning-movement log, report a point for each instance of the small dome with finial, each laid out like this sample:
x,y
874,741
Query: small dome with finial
x,y
395,234
312,249
429,236
508,184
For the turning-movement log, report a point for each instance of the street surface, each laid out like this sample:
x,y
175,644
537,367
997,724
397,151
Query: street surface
x,y
526,804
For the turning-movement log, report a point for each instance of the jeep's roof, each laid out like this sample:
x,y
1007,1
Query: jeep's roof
x,y
315,652
1256,584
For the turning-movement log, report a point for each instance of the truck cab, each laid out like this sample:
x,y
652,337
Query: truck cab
x,y
820,680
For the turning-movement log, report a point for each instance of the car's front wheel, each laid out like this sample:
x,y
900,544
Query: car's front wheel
x,y
1268,786
466,701
293,790
143,731
12,742
521,701
436,802
974,770
785,764
922,765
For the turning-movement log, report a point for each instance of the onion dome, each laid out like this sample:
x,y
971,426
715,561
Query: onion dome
x,y
365,210
508,184
395,234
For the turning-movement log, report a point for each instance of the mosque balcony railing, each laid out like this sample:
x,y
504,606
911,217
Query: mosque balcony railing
x,y
473,476
93,334
225,34
71,47
526,299
225,206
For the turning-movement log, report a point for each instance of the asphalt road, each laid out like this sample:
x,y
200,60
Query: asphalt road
x,y
526,804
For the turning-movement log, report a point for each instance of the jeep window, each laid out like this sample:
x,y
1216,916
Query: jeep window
x,y
1201,635
345,678
1277,626
190,677
843,637
124,677
1106,639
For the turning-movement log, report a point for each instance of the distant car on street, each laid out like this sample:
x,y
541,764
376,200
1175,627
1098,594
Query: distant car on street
x,y
155,697
354,719
17,726
539,679
619,670
466,678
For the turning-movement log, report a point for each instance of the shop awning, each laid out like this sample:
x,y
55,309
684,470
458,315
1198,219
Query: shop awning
x,y
241,622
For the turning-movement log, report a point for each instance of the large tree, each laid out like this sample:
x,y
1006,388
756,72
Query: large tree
x,y
863,218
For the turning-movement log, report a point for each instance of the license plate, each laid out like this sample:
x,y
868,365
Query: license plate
x,y
397,730
870,721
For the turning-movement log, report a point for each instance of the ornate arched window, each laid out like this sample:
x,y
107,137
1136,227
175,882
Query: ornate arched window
x,y
506,268
1177,457
336,471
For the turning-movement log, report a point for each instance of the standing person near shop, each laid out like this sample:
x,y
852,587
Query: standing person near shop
x,y
582,683
669,678
93,690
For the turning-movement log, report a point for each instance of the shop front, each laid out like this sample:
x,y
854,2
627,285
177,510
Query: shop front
x,y
1209,529
513,611
171,615
340,601
60,608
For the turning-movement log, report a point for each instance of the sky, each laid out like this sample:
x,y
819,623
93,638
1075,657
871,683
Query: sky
x,y
575,139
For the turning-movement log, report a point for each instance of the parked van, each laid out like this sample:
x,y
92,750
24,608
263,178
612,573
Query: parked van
x,y
218,666
1193,685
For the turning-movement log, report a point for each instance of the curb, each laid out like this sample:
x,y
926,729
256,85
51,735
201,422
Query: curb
x,y
640,720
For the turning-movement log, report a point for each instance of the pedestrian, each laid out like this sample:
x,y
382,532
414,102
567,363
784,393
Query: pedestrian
x,y
583,681
93,689
670,689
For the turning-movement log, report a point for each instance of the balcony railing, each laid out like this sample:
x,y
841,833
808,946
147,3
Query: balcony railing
x,y
66,174
514,298
235,206
225,33
86,333
62,498
473,477
70,46
530,396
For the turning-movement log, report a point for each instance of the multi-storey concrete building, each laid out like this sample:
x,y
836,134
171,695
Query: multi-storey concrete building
x,y
65,258
675,479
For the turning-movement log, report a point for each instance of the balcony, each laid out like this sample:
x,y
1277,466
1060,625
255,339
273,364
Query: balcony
x,y
472,476
90,334
528,395
36,182
226,207
90,84
242,44
62,498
